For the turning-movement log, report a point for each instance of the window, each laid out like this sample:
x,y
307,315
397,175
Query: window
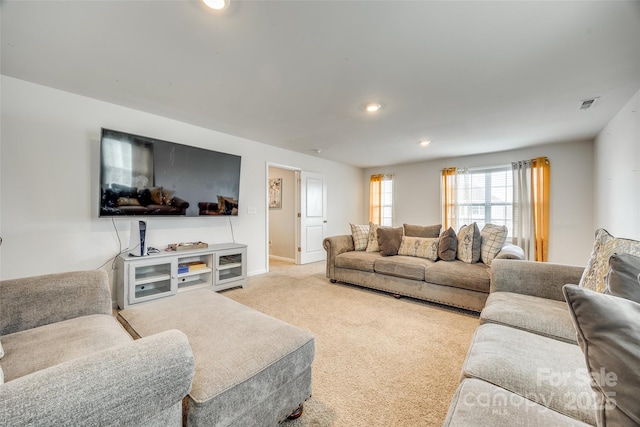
x,y
381,199
481,195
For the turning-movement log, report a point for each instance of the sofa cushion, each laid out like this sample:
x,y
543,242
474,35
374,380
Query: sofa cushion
x,y
39,348
389,239
540,316
623,279
492,238
357,260
429,231
469,243
609,335
360,234
479,403
421,247
402,266
448,245
605,245
459,274
549,372
372,244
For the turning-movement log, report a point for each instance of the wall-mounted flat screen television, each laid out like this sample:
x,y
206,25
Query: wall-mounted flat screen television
x,y
142,176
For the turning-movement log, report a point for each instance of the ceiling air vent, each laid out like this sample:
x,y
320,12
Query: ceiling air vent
x,y
585,104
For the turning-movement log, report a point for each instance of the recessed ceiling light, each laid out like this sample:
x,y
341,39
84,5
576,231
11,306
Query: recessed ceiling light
x,y
216,4
373,107
424,142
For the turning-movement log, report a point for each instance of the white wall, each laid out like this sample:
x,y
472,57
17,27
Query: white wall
x,y
617,177
282,221
417,193
49,183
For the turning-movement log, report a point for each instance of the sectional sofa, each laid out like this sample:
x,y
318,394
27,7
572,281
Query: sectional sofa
x,y
551,353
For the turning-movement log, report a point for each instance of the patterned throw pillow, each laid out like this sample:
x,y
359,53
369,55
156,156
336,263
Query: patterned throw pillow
x,y
372,244
605,245
469,242
360,234
421,247
492,241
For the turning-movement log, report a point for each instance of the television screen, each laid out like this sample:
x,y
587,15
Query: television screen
x,y
141,176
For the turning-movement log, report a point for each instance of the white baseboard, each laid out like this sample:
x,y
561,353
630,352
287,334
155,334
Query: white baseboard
x,y
279,258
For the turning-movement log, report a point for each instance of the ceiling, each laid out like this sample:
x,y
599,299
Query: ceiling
x,y
471,76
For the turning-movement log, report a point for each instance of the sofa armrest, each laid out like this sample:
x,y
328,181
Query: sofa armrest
x,y
540,279
126,385
179,203
335,245
30,302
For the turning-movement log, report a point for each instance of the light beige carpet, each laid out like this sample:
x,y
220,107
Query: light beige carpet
x,y
379,361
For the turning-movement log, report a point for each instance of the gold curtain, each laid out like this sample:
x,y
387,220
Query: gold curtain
x,y
375,198
448,197
540,180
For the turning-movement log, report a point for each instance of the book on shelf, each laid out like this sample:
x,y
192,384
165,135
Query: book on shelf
x,y
191,266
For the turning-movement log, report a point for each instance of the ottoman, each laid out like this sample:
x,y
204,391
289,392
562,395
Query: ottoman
x,y
250,369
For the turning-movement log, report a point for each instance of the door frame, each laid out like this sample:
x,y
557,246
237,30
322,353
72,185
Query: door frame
x,y
296,220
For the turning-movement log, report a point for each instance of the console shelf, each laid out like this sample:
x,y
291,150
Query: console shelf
x,y
142,279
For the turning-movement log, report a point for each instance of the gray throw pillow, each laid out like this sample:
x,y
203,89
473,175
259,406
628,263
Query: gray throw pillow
x,y
389,240
429,231
469,243
623,279
608,330
448,245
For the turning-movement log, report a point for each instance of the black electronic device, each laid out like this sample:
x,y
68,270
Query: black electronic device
x,y
142,176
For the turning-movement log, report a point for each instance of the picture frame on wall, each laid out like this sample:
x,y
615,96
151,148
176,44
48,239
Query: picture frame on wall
x,y
275,193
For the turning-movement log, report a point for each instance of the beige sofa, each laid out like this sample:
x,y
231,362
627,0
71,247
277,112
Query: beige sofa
x,y
66,361
525,367
453,283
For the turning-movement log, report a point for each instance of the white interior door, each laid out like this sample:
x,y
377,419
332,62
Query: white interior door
x,y
312,214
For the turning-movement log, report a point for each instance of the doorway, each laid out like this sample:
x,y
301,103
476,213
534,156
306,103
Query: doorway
x,y
296,215
281,243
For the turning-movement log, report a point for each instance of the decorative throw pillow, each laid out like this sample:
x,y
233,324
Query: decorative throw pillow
x,y
389,239
422,231
156,195
605,245
469,242
167,196
127,201
372,243
144,197
422,247
491,242
608,330
623,279
360,234
448,245
222,205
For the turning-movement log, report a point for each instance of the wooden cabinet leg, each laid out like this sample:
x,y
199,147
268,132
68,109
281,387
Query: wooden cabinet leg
x,y
297,413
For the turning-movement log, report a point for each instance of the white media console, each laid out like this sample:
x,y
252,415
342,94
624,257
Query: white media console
x,y
159,275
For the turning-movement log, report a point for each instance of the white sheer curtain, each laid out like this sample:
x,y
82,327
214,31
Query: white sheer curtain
x,y
523,232
456,196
